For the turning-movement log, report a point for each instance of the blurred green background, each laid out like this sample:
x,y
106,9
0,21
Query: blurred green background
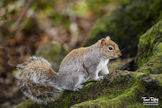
x,y
27,27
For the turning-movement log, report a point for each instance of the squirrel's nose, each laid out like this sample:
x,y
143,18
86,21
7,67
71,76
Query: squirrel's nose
x,y
119,53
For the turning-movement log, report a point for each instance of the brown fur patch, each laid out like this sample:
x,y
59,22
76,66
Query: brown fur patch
x,y
74,53
37,66
108,43
38,89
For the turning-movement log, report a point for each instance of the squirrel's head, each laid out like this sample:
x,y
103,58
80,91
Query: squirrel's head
x,y
110,48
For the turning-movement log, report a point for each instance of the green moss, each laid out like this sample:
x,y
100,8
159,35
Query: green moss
x,y
106,101
113,90
149,57
27,104
130,98
126,23
53,52
159,78
95,90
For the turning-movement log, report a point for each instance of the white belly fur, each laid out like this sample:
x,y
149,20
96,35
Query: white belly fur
x,y
101,64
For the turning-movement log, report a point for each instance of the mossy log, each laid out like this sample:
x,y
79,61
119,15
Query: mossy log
x,y
144,85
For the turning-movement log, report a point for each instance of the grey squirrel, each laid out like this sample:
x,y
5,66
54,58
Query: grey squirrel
x,y
42,84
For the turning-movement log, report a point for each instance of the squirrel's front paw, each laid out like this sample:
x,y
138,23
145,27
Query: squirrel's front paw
x,y
78,88
101,77
98,78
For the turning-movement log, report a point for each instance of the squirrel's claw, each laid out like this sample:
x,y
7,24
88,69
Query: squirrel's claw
x,y
99,78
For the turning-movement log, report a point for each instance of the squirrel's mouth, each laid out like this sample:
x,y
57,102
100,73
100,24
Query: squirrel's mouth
x,y
116,55
119,54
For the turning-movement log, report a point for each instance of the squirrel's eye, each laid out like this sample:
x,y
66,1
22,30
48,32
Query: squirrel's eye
x,y
110,48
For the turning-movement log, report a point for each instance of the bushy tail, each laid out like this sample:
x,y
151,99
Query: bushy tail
x,y
40,93
37,80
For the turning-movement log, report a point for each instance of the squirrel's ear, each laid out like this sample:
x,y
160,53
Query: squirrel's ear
x,y
108,38
103,42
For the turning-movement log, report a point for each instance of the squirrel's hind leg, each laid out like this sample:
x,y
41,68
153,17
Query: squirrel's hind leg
x,y
78,81
93,73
